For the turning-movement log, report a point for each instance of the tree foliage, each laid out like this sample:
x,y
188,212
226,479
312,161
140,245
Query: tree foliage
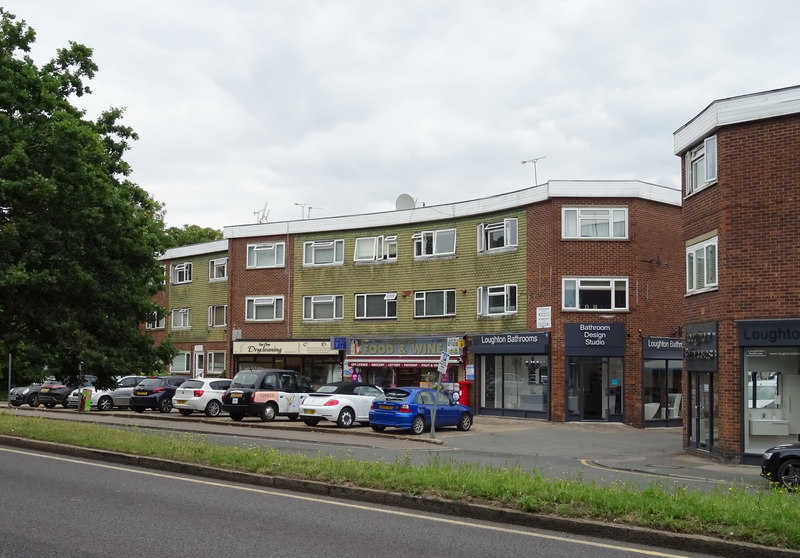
x,y
78,266
191,234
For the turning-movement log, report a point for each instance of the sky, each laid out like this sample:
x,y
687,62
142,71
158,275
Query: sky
x,y
263,111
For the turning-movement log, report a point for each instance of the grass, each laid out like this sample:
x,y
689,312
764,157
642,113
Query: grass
x,y
770,518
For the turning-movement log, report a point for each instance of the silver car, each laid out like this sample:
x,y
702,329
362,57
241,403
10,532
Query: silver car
x,y
107,399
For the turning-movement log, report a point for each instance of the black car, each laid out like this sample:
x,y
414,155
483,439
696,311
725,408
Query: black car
x,y
27,394
54,392
781,465
266,393
155,392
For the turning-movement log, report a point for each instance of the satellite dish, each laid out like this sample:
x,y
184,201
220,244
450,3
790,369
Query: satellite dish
x,y
404,201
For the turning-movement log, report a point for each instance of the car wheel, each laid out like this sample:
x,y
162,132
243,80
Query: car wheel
x,y
464,422
237,416
33,400
418,425
213,409
293,416
185,412
311,422
789,474
269,412
346,418
49,405
105,403
65,402
378,427
165,406
138,409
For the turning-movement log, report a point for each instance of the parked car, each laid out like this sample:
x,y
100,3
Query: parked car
x,y
412,408
200,394
266,393
781,466
54,392
107,399
341,402
27,394
155,392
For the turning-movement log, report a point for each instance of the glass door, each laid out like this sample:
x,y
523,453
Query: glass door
x,y
701,421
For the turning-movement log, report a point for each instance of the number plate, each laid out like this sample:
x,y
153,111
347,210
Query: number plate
x,y
235,401
309,411
44,390
181,401
141,393
387,407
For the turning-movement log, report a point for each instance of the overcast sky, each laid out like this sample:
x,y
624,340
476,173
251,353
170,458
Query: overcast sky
x,y
344,105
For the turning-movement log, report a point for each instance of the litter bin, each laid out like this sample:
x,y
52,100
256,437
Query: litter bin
x,y
86,400
463,388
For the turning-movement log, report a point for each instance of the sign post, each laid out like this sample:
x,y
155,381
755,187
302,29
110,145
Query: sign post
x,y
440,369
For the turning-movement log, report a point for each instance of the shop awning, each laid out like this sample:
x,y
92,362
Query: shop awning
x,y
412,361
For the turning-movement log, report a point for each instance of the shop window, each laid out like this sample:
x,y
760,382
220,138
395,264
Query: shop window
x,y
434,243
602,223
266,254
428,304
701,266
594,293
323,307
263,308
701,166
376,306
497,301
375,248
497,236
323,252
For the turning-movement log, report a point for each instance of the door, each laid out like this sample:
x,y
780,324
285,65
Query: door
x,y
701,423
585,389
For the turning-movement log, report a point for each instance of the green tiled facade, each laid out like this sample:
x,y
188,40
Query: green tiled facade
x,y
198,295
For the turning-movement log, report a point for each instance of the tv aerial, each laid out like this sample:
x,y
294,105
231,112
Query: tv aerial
x,y
262,214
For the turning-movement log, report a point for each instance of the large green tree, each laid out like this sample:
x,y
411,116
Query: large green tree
x,y
78,239
191,234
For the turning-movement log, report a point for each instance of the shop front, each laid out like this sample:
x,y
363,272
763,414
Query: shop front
x,y
514,372
662,367
771,384
407,361
595,363
313,358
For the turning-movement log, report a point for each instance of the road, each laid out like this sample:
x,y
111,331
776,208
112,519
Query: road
x,y
56,506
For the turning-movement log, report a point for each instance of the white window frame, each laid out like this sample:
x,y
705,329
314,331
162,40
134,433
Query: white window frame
x,y
273,252
701,166
185,321
313,250
702,266
488,233
430,244
389,306
156,322
214,358
181,273
448,299
218,269
213,317
507,294
576,222
576,285
375,248
313,306
199,363
186,357
273,302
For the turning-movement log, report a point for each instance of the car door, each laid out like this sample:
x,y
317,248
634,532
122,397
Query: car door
x,y
362,400
447,414
122,394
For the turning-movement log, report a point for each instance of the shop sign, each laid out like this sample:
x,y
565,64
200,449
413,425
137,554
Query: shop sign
x,y
700,347
769,333
283,348
381,347
662,347
527,343
587,339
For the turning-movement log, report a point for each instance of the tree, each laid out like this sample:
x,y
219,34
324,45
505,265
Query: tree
x,y
191,234
78,265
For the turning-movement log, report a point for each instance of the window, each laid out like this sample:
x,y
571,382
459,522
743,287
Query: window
x,y
701,165
375,248
429,304
595,293
328,252
498,300
216,362
434,243
382,305
323,307
181,362
218,269
156,322
182,273
594,222
701,266
181,318
217,316
263,308
266,254
495,236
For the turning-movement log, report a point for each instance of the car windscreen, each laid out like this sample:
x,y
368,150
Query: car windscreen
x,y
327,389
150,382
245,380
192,384
395,394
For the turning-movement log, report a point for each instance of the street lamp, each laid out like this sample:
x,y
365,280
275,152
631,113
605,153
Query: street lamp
x,y
535,177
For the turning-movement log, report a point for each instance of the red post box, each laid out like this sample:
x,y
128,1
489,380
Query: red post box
x,y
463,390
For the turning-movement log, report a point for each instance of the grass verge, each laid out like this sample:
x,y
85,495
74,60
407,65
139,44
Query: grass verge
x,y
770,518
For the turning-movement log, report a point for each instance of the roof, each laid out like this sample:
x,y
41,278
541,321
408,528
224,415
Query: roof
x,y
736,110
195,250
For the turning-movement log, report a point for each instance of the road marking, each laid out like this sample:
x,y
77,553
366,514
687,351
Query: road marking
x,y
334,502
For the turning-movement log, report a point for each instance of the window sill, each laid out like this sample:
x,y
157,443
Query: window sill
x,y
701,291
700,189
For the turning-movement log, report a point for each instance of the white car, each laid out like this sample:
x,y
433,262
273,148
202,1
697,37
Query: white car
x,y
107,399
200,394
341,402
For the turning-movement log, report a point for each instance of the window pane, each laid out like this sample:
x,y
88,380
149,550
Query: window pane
x,y
571,223
365,248
711,264
434,304
620,295
570,294
700,269
619,223
376,305
690,271
446,242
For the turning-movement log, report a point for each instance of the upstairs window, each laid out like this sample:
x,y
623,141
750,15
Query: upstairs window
x,y
496,236
594,222
156,322
429,304
701,166
375,248
263,308
595,293
182,273
182,318
497,300
217,316
218,269
323,252
323,307
266,254
701,266
434,243
376,306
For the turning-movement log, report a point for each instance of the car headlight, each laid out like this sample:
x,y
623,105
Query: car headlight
x,y
25,391
767,455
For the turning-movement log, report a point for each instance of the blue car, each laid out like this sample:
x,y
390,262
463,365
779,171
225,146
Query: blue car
x,y
411,408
